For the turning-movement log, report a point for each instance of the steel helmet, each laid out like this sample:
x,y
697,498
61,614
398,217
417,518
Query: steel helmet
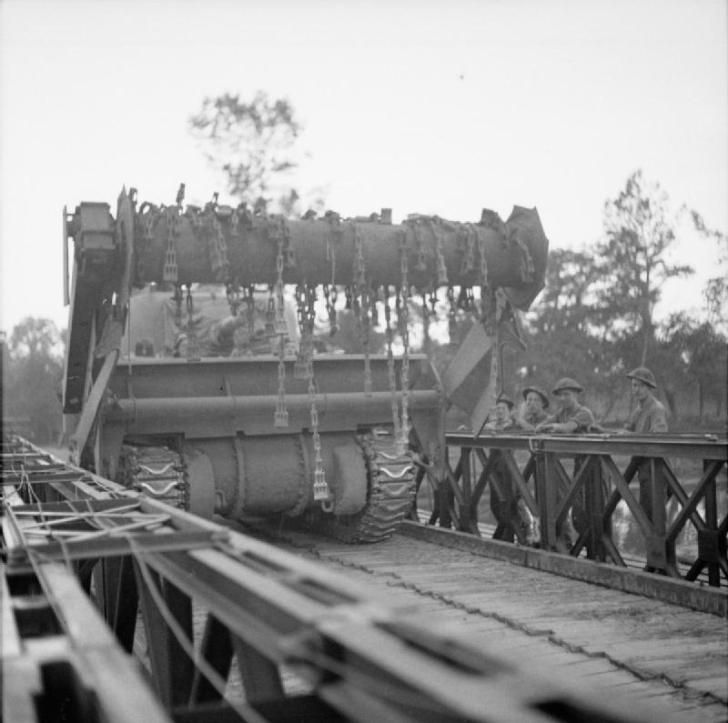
x,y
541,393
567,383
505,399
644,375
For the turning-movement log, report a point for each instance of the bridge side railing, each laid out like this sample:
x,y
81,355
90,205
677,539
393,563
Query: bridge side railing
x,y
573,485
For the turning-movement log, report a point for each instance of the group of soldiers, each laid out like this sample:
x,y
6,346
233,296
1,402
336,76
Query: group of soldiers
x,y
569,417
572,417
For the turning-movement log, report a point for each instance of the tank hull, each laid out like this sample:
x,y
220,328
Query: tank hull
x,y
219,415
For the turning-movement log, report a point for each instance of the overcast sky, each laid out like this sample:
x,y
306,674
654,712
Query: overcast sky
x,y
429,107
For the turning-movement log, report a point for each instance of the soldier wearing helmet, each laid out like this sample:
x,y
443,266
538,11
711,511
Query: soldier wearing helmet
x,y
533,410
571,417
649,415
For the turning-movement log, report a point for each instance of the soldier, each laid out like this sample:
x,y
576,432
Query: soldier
x,y
533,410
503,419
571,417
508,508
648,417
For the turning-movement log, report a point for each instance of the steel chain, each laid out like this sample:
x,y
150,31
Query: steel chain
x,y
426,326
421,263
332,240
361,305
485,305
178,297
146,219
321,492
403,441
359,270
468,262
193,346
250,312
451,313
270,316
391,373
149,220
280,418
305,347
280,308
441,268
365,330
219,261
332,311
330,295
169,273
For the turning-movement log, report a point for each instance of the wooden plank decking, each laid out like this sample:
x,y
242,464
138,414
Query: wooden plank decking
x,y
619,644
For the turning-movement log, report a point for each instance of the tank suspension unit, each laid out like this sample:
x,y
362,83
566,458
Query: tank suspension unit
x,y
280,428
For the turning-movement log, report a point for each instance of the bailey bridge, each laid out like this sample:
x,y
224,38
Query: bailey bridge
x,y
117,607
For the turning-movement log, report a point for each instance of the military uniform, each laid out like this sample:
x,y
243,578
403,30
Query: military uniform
x,y
509,511
583,418
581,415
500,425
532,418
648,417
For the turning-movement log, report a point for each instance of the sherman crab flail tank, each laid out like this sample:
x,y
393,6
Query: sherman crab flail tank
x,y
280,428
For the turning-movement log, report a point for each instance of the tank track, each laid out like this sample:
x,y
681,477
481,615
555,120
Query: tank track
x,y
390,495
158,472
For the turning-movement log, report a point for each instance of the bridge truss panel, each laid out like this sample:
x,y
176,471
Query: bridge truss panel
x,y
572,486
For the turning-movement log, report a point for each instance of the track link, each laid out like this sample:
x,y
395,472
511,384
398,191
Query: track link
x,y
155,471
390,495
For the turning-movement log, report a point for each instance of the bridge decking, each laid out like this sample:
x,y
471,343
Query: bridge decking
x,y
623,644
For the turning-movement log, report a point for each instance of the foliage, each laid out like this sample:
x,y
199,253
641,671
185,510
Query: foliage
x,y
566,302
696,351
565,330
594,319
253,143
632,257
33,366
716,290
